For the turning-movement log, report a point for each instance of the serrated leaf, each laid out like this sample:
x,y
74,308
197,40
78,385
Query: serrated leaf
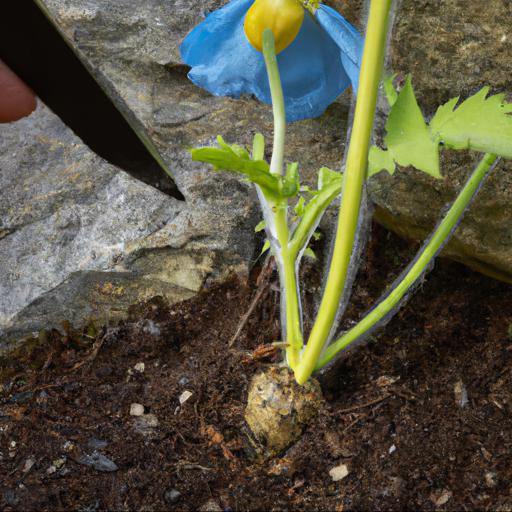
x,y
234,158
380,160
260,226
327,176
408,137
481,123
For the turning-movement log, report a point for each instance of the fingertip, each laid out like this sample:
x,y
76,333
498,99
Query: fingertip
x,y
17,100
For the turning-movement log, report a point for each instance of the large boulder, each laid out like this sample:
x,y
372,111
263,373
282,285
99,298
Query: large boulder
x,y
79,238
452,48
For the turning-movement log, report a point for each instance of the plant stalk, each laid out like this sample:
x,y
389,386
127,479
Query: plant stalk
x,y
354,178
286,258
428,253
276,91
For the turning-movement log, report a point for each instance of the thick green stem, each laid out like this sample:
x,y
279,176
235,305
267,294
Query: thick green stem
x,y
429,252
354,178
280,209
276,90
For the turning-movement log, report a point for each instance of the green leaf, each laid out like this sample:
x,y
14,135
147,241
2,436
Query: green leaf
x,y
380,160
327,177
481,123
389,89
408,138
266,247
291,181
234,158
299,207
260,226
309,253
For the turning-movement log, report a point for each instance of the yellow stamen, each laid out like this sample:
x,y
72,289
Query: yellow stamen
x,y
283,17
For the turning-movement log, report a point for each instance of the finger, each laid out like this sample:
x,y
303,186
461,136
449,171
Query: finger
x,y
16,99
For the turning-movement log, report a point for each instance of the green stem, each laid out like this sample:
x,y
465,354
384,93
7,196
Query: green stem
x,y
276,90
428,253
354,178
309,221
280,209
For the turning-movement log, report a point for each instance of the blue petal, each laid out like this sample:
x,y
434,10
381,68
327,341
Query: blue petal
x,y
224,63
348,39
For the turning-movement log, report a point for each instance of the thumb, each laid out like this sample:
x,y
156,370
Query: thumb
x,y
16,99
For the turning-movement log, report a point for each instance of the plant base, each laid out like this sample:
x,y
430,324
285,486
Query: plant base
x,y
278,409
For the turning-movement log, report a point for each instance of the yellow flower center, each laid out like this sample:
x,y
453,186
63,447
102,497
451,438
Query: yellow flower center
x,y
283,17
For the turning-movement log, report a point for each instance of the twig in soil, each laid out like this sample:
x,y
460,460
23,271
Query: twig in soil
x,y
262,283
362,406
183,464
352,423
93,354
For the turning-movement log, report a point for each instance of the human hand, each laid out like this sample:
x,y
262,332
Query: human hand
x,y
16,99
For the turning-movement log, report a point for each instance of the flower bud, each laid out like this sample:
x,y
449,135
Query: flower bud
x,y
283,17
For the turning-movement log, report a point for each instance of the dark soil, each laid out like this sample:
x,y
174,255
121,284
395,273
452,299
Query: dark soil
x,y
396,412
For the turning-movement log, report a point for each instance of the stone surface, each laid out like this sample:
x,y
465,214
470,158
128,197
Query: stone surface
x,y
453,48
80,239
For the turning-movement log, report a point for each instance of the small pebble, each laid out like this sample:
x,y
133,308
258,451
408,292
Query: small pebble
x,y
146,425
11,498
211,506
392,449
461,394
29,463
139,367
68,446
384,381
99,462
339,472
185,396
136,410
172,496
490,478
58,463
441,497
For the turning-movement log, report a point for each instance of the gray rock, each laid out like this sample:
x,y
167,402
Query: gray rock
x,y
453,50
80,239
146,425
98,461
172,496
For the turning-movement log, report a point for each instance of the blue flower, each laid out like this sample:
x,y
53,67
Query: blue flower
x,y
319,54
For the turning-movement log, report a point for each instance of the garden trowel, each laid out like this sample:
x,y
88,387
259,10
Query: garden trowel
x,y
34,48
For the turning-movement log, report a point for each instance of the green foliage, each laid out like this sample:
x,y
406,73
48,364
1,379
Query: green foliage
x,y
390,90
379,160
260,226
480,123
234,158
408,137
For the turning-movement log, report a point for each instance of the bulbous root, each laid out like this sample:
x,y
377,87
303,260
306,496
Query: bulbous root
x,y
278,409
